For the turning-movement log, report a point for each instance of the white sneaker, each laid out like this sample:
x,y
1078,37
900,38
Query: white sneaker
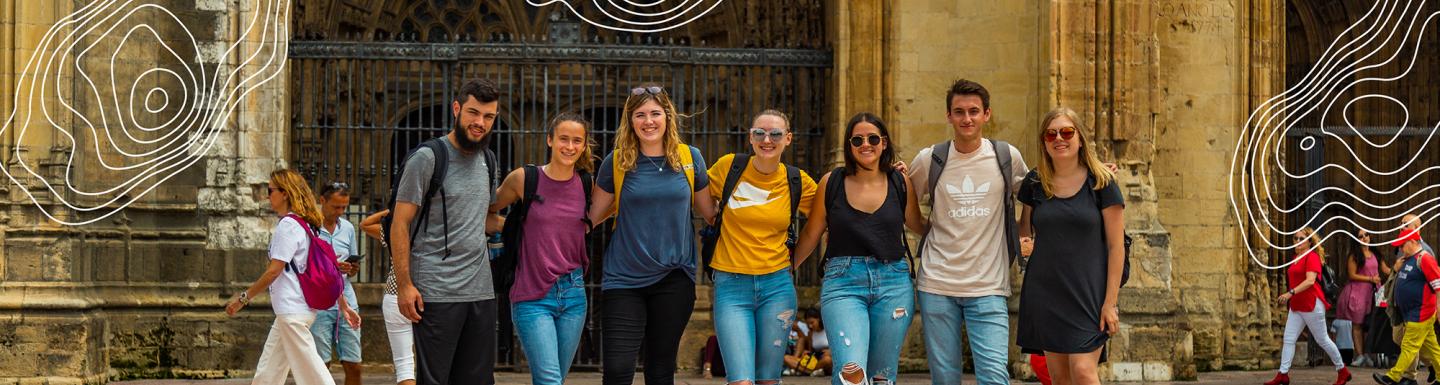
x,y
1358,362
791,372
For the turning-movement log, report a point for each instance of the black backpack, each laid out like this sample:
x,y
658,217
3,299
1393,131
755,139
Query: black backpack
x,y
938,155
897,179
1329,286
503,267
438,147
710,235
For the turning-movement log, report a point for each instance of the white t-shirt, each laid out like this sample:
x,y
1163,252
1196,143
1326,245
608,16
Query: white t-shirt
x,y
965,254
289,244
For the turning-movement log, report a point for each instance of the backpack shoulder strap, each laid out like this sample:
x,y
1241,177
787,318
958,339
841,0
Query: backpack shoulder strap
x,y
441,154
441,158
938,155
792,175
442,164
732,178
492,163
797,189
1002,157
687,164
1007,176
309,235
587,182
532,183
738,163
618,176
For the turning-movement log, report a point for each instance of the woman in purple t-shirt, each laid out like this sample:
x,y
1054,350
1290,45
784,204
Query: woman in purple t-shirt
x,y
548,294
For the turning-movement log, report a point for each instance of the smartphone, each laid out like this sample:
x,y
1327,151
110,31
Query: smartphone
x,y
354,258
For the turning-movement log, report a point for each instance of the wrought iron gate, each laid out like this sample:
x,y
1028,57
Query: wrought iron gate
x,y
358,107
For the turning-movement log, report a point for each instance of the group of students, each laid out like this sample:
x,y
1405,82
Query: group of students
x,y
441,287
1398,307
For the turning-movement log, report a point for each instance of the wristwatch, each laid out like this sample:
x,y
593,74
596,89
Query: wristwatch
x,y
244,298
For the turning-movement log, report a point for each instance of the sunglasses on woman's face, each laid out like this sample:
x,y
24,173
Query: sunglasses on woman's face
x,y
1064,133
859,140
653,90
758,134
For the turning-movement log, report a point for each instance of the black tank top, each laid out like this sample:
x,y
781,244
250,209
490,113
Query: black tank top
x,y
854,233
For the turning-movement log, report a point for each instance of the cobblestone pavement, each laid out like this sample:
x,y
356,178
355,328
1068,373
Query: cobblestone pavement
x,y
1303,376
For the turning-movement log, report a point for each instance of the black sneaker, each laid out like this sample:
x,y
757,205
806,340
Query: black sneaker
x,y
1383,379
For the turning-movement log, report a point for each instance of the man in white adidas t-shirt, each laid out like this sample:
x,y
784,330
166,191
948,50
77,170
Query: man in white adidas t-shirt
x,y
964,275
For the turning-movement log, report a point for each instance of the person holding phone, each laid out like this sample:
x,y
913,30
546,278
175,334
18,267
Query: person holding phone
x,y
330,334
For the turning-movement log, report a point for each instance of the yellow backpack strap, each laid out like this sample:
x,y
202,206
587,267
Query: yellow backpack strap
x,y
687,162
619,177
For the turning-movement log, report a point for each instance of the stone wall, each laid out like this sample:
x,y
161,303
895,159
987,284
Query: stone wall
x,y
138,294
1163,82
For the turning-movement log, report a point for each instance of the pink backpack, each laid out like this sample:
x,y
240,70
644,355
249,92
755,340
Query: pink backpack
x,y
321,282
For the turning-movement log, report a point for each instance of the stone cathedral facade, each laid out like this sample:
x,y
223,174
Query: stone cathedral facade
x,y
1165,83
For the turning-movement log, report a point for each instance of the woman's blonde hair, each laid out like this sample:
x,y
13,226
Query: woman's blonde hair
x,y
298,195
1310,236
1091,161
627,142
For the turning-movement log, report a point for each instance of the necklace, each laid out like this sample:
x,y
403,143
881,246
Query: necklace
x,y
652,162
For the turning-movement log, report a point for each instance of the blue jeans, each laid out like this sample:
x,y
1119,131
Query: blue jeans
x,y
987,323
753,314
867,306
550,327
330,331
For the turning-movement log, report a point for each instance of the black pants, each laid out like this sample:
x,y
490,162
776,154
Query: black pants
x,y
654,317
455,343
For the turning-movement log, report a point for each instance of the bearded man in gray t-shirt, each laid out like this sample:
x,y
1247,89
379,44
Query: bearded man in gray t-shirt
x,y
442,276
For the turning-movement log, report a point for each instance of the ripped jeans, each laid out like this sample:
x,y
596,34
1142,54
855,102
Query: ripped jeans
x,y
866,305
753,314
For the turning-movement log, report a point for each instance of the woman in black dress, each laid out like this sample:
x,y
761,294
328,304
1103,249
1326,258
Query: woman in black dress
x,y
1073,221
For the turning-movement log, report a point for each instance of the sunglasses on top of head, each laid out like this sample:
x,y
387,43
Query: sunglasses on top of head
x,y
653,90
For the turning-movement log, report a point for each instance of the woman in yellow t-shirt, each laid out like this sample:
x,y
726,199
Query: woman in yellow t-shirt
x,y
754,289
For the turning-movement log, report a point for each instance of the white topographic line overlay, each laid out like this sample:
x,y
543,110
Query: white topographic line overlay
x,y
120,113
1389,33
639,16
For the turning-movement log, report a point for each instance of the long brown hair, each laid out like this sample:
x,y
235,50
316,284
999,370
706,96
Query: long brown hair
x,y
587,157
298,195
627,143
1102,175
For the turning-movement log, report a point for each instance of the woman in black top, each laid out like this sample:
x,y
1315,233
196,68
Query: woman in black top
x,y
867,294
1075,212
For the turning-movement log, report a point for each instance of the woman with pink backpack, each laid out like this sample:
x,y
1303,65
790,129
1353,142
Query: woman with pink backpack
x,y
290,345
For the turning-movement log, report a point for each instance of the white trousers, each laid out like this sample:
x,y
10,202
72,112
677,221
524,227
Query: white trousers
x,y
402,342
1313,320
291,348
